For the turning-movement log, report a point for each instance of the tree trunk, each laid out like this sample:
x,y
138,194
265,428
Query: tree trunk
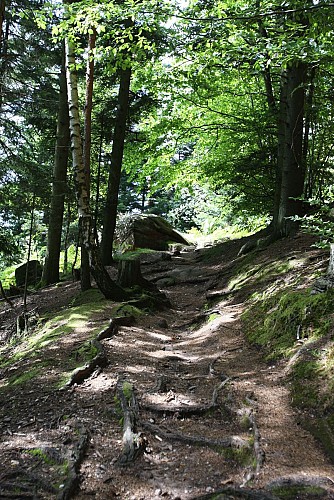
x,y
85,268
109,289
110,212
2,18
59,186
291,156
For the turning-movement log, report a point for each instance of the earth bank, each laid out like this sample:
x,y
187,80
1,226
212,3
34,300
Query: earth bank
x,y
227,383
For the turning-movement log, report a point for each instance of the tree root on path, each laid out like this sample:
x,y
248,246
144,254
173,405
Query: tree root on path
x,y
181,411
115,323
186,411
227,442
74,462
83,372
134,444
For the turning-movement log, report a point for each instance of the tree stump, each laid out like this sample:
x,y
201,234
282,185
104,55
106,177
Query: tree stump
x,y
129,274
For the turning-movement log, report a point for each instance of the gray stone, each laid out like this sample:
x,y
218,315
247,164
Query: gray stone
x,y
34,273
146,231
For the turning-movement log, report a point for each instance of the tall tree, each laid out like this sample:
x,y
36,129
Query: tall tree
x,y
110,211
110,289
85,268
59,185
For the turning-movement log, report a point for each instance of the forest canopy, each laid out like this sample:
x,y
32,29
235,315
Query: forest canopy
x,y
211,114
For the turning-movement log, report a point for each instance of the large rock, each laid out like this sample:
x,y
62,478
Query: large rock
x,y
34,273
146,231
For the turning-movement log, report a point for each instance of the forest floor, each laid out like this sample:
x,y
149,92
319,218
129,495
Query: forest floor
x,y
216,420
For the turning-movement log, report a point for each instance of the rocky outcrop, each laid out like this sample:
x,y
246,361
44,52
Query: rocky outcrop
x,y
34,273
147,231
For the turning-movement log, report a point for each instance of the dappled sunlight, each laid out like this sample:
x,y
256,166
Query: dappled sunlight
x,y
182,356
159,336
172,399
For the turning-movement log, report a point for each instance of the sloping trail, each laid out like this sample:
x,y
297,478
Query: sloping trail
x,y
176,370
215,417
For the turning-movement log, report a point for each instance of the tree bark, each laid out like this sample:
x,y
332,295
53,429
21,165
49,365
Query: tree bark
x,y
109,289
110,211
59,186
85,268
290,157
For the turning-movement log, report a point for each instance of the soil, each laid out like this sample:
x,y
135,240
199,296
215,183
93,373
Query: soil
x,y
215,420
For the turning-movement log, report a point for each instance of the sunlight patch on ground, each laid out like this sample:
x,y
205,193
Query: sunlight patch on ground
x,y
160,336
160,354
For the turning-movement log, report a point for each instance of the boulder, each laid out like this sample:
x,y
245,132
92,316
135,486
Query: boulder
x,y
34,273
146,231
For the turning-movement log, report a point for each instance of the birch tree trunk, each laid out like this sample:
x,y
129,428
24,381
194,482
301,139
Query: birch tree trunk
x,y
109,289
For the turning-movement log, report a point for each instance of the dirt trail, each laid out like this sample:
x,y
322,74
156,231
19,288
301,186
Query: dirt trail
x,y
215,416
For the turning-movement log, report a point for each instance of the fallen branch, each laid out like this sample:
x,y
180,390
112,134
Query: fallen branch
x,y
134,444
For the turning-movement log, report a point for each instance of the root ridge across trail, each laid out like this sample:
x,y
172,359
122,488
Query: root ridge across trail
x,y
211,418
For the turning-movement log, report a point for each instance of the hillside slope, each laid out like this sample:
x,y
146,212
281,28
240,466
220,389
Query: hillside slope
x,y
224,391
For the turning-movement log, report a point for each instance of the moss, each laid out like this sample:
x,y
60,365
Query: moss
x,y
88,297
39,453
241,456
85,352
212,317
323,429
291,492
275,321
126,309
127,390
24,377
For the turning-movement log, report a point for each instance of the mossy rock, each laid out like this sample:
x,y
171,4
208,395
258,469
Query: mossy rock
x,y
125,310
93,295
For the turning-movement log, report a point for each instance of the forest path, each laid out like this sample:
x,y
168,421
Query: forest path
x,y
215,417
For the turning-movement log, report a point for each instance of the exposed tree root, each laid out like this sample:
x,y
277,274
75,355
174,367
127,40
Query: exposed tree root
x,y
74,462
112,328
186,411
83,372
181,411
227,442
258,451
134,444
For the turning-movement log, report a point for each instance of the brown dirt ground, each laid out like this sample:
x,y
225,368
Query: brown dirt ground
x,y
194,359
